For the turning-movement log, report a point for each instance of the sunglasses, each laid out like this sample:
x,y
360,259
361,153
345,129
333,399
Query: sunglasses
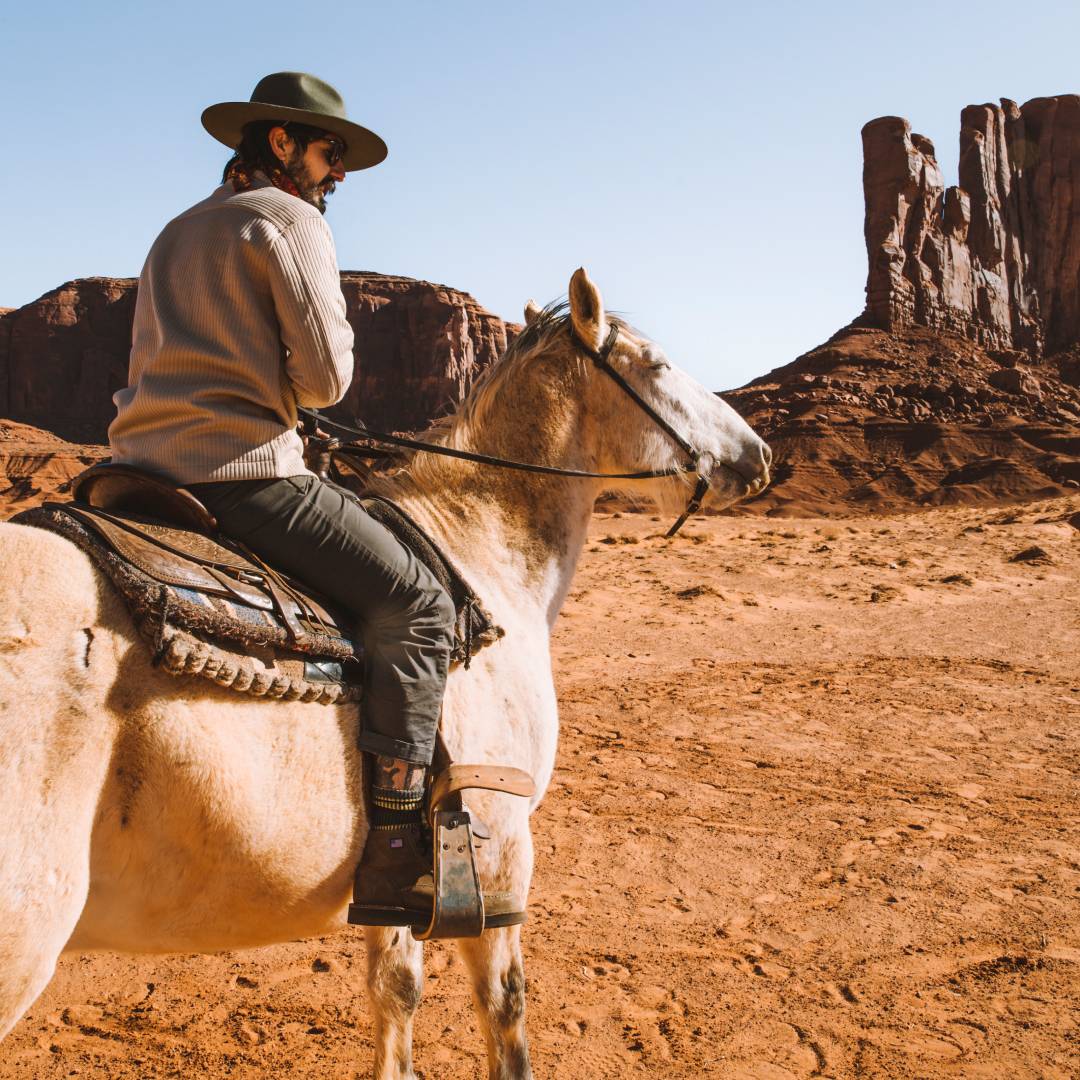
x,y
335,152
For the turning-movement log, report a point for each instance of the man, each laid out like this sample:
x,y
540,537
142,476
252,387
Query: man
x,y
239,319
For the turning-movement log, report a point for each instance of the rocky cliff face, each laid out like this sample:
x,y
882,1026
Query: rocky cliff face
x,y
418,348
62,356
875,420
995,259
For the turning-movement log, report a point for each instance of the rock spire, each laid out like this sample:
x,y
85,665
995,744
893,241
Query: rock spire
x,y
996,258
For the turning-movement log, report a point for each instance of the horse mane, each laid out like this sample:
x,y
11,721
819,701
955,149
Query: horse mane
x,y
457,427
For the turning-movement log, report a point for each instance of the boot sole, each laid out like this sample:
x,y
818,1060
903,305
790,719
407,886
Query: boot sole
x,y
362,915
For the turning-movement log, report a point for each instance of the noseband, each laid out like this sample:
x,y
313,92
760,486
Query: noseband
x,y
600,358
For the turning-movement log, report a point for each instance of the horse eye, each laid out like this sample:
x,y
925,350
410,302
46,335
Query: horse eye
x,y
658,364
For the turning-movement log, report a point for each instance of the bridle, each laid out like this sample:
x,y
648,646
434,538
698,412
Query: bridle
x,y
600,358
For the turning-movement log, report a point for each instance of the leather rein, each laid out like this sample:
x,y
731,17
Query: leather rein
x,y
600,358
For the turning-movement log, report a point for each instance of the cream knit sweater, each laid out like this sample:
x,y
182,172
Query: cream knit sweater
x,y
239,319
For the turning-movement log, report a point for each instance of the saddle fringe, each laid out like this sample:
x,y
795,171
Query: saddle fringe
x,y
182,653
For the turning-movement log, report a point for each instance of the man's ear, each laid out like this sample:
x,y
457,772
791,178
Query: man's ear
x,y
532,309
279,140
587,310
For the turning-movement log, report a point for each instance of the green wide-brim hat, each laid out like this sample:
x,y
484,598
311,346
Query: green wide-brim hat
x,y
293,95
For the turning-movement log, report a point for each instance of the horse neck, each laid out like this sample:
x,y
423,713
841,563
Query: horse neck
x,y
521,531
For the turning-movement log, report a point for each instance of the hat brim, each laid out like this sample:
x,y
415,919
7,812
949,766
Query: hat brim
x,y
226,121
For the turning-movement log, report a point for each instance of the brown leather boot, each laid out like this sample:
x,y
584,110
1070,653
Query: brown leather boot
x,y
395,885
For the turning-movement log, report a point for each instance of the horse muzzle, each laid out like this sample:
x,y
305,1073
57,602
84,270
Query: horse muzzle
x,y
759,470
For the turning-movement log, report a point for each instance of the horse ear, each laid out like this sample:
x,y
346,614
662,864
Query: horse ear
x,y
587,309
532,309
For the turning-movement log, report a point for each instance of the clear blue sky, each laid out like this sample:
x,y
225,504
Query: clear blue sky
x,y
702,160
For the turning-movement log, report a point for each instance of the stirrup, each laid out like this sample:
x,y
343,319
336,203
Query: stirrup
x,y
459,901
458,909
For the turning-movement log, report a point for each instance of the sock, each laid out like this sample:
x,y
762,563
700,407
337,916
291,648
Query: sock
x,y
391,809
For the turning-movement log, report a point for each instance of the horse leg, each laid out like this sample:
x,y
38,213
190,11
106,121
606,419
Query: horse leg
x,y
44,868
498,977
34,927
54,753
44,861
395,979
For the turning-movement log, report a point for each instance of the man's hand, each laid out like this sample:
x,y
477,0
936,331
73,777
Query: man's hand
x,y
303,429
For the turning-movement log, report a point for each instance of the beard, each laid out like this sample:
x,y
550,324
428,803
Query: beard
x,y
311,190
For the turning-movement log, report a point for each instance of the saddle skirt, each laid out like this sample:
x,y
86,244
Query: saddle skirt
x,y
210,609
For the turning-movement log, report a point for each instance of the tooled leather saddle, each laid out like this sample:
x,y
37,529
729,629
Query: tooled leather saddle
x,y
209,607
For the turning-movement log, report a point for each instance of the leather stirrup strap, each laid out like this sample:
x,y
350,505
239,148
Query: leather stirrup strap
x,y
284,608
440,758
457,778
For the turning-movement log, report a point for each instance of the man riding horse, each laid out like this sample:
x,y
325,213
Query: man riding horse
x,y
239,320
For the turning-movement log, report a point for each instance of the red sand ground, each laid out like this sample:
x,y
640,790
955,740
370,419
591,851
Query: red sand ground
x,y
815,814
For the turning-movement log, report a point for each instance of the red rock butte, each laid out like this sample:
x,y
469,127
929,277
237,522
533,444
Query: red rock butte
x,y
64,355
960,381
995,259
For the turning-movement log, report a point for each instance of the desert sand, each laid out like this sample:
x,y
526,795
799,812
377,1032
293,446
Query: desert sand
x,y
815,814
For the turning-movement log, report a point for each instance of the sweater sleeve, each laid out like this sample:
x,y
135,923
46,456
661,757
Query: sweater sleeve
x,y
311,310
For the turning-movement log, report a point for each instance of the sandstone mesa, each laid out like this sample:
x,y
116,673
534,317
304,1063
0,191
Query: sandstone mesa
x,y
64,355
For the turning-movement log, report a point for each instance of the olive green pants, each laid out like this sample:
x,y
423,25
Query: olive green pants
x,y
318,533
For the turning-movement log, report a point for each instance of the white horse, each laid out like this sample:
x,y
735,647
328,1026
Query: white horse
x,y
148,813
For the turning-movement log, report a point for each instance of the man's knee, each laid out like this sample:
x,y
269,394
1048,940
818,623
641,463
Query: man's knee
x,y
440,616
443,612
430,613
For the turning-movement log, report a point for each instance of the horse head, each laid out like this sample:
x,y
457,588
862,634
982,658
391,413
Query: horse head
x,y
678,426
580,395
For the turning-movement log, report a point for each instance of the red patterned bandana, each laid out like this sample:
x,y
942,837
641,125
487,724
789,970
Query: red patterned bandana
x,y
242,177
